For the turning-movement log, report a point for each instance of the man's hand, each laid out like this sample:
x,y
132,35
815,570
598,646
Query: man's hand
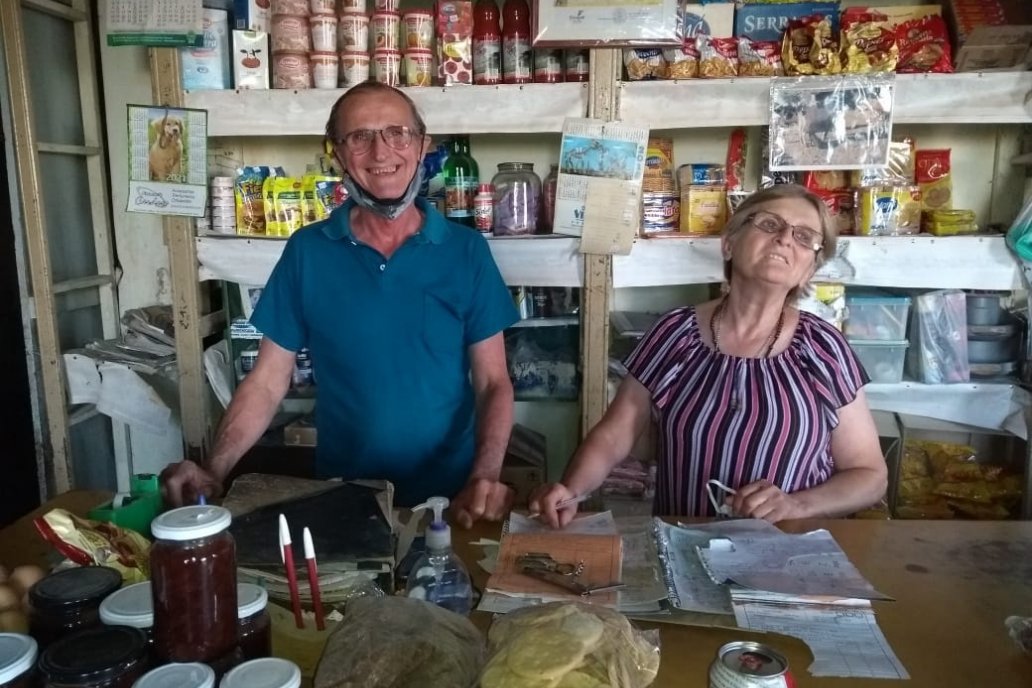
x,y
182,483
482,498
544,500
763,500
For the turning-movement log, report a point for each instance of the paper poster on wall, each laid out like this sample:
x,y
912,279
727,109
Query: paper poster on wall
x,y
167,160
158,23
830,122
591,151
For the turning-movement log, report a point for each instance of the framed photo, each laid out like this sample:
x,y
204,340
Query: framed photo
x,y
168,160
830,122
605,23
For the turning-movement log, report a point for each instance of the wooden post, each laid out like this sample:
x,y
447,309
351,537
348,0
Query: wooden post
x,y
603,97
186,295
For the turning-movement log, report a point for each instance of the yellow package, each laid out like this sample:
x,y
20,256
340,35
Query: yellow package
x,y
286,217
249,195
888,210
703,209
315,205
659,157
97,543
950,222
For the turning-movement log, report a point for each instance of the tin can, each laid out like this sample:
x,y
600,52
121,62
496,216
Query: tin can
x,y
661,212
576,64
548,66
747,664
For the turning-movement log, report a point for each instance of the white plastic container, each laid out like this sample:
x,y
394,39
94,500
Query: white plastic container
x,y
883,361
876,318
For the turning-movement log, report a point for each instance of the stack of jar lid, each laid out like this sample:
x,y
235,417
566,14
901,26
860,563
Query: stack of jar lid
x,y
221,209
385,42
992,340
304,44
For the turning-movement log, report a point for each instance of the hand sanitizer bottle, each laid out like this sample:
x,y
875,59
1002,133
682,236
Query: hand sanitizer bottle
x,y
439,576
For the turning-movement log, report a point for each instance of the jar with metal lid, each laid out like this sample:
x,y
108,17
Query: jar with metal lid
x,y
517,193
106,657
254,626
69,600
17,659
193,584
130,606
270,672
190,675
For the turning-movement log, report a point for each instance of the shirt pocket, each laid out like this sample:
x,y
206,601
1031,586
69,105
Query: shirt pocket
x,y
444,329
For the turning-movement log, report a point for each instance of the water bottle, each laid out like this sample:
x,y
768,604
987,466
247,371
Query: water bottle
x,y
439,576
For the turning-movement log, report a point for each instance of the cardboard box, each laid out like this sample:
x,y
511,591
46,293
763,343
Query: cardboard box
x,y
525,461
207,67
768,22
300,433
713,19
898,14
996,49
251,15
251,60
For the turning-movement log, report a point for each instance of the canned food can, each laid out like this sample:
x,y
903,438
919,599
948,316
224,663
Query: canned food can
x,y
384,31
386,67
418,67
354,68
748,664
661,212
417,30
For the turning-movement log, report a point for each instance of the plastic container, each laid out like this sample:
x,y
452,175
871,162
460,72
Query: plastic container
x,y
254,626
109,657
984,309
192,675
439,576
992,350
517,194
17,659
876,317
193,574
883,361
68,601
270,672
131,606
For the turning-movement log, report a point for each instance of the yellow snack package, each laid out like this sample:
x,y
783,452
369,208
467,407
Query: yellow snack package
x,y
286,205
97,543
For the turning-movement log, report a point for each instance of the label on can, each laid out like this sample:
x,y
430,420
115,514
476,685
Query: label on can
x,y
661,212
747,664
487,61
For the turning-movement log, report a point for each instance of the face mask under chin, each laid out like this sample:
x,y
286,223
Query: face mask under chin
x,y
390,208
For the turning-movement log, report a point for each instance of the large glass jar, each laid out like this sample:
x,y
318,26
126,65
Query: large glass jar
x,y
191,675
68,601
270,672
17,658
106,657
254,628
517,193
193,581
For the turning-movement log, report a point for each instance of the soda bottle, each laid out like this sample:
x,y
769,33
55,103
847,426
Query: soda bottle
x,y
461,176
517,57
487,43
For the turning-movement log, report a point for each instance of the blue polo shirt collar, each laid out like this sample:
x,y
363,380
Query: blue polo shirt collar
x,y
434,230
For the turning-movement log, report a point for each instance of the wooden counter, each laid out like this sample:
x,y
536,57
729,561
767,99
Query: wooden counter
x,y
954,583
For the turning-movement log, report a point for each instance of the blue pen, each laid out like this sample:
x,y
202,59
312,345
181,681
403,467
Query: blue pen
x,y
201,501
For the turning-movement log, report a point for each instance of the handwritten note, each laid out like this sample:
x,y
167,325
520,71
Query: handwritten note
x,y
612,212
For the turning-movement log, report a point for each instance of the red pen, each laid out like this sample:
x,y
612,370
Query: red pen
x,y
288,561
313,580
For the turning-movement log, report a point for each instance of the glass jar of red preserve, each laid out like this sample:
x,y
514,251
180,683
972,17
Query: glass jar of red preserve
x,y
194,586
68,601
254,627
106,657
17,659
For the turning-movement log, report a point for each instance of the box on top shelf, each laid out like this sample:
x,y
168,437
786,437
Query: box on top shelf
x,y
713,19
898,14
991,35
251,15
768,22
208,66
876,316
883,361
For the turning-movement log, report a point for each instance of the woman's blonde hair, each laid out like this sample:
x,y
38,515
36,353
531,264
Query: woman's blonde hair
x,y
740,221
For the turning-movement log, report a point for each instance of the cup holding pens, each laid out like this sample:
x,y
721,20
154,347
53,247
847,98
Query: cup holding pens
x,y
303,646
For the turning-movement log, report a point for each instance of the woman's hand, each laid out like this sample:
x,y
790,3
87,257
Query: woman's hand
x,y
544,500
763,500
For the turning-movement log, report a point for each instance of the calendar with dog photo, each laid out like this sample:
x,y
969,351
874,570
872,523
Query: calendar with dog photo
x,y
167,156
842,122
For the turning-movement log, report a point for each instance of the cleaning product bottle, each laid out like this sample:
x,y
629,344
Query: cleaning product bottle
x,y
439,576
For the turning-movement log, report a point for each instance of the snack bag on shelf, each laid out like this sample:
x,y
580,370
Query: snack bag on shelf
x,y
718,57
932,168
644,63
809,47
759,58
868,44
681,63
924,46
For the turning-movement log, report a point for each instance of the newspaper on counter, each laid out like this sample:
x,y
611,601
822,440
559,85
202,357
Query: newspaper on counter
x,y
598,155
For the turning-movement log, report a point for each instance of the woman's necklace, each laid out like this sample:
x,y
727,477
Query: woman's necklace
x,y
768,343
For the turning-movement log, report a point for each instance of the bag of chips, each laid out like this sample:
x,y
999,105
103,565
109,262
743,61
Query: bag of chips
x,y
97,543
809,47
644,63
924,46
868,44
718,57
683,62
759,58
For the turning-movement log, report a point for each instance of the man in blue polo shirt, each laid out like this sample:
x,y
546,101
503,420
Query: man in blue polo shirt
x,y
403,312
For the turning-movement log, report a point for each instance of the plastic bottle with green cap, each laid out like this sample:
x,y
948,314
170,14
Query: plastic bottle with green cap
x,y
439,576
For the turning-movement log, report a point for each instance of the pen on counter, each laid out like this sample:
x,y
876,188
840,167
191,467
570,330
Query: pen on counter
x,y
562,504
201,501
288,562
313,580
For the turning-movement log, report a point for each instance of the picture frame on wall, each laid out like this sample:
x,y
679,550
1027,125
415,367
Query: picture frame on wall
x,y
605,23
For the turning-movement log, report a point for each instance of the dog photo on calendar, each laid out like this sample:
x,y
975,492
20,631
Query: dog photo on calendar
x,y
167,154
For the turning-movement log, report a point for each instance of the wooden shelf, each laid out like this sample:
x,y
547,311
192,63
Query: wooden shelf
x,y
526,108
919,262
969,98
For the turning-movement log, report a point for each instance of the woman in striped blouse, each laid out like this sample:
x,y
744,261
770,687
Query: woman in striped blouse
x,y
746,390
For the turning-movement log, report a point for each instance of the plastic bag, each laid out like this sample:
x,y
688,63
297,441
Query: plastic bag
x,y
400,642
1020,630
1019,236
938,341
569,644
97,543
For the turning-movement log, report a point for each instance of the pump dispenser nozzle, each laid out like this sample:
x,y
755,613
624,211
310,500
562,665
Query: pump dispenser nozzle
x,y
438,535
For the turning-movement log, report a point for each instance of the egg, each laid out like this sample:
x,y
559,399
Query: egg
x,y
9,598
24,577
14,621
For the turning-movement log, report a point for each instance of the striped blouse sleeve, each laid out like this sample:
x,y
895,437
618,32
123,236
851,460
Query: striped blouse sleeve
x,y
838,373
657,358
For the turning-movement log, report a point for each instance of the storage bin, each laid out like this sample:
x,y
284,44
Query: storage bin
x,y
876,318
883,361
